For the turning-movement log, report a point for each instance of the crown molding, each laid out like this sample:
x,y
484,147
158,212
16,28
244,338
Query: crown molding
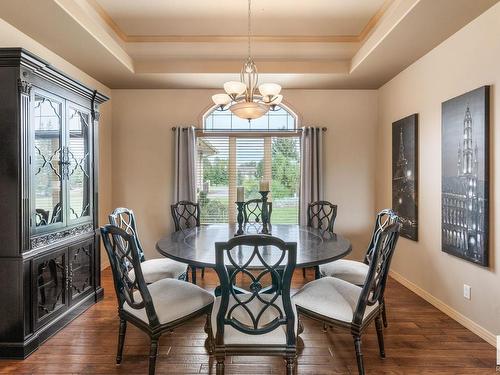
x,y
372,22
242,38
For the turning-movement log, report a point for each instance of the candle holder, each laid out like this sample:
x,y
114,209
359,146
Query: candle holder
x,y
265,212
239,217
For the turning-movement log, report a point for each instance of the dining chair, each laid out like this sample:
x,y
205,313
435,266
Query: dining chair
x,y
354,271
263,320
320,215
56,213
155,308
152,269
186,214
252,211
41,217
338,303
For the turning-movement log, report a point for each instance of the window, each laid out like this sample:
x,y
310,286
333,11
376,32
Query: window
x,y
232,152
279,119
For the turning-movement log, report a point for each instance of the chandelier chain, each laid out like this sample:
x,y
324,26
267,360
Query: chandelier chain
x,y
240,96
249,27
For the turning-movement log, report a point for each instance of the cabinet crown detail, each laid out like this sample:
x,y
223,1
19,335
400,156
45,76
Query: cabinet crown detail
x,y
24,86
50,238
33,65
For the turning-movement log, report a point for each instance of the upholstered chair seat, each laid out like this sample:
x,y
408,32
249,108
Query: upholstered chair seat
x,y
160,268
154,308
172,299
331,297
342,304
352,271
355,272
234,337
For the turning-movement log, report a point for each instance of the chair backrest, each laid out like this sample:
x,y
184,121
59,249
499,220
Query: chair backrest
x,y
384,245
252,211
384,218
321,215
185,214
41,217
125,288
276,262
56,213
124,218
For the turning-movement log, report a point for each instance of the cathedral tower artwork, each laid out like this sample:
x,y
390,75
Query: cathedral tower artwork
x,y
464,192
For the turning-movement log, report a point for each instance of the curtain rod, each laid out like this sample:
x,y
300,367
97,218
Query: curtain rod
x,y
249,131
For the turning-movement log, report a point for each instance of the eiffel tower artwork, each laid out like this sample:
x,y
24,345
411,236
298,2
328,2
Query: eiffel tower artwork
x,y
405,174
464,197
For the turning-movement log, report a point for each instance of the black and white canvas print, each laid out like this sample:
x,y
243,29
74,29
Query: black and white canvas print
x,y
405,174
465,154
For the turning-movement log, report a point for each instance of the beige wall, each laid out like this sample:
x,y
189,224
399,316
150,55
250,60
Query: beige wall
x,y
143,155
12,37
465,61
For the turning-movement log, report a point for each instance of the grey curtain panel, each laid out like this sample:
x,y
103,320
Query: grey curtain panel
x,y
185,164
311,169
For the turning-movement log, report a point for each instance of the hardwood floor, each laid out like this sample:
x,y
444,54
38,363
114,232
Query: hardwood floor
x,y
419,340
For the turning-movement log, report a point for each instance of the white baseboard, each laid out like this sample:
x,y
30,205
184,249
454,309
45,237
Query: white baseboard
x,y
451,312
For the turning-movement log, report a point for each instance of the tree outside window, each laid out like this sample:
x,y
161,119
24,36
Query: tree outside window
x,y
225,162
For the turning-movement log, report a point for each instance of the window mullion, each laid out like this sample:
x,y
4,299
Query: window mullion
x,y
231,209
268,173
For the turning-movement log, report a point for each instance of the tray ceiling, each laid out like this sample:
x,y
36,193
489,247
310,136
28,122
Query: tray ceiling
x,y
229,17
314,44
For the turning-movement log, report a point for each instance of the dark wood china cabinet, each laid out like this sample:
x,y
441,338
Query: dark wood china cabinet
x,y
49,249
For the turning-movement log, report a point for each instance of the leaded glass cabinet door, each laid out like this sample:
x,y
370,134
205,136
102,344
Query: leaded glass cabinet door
x,y
80,270
79,153
50,285
47,161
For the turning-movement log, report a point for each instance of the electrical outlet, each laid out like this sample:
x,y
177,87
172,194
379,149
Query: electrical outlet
x,y
467,291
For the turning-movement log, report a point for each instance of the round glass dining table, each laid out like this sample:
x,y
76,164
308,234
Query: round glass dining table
x,y
196,246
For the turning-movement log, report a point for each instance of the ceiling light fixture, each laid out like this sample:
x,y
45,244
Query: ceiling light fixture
x,y
240,97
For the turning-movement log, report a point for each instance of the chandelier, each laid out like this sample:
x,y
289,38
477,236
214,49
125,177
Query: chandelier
x,y
241,97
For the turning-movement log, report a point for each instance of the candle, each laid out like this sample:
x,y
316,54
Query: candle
x,y
264,186
240,194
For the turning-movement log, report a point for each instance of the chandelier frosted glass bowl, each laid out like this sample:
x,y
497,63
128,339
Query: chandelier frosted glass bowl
x,y
241,97
249,110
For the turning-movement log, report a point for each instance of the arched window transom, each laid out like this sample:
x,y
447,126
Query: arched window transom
x,y
279,119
